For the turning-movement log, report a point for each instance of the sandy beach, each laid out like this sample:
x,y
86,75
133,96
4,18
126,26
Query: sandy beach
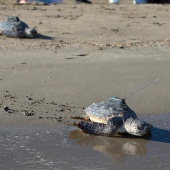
x,y
84,54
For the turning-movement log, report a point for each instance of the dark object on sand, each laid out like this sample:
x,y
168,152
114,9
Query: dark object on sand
x,y
14,27
83,1
112,116
7,109
159,1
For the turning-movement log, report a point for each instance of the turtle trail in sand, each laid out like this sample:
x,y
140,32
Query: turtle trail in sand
x,y
14,27
108,118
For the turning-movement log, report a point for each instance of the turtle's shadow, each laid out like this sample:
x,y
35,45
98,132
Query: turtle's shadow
x,y
44,37
160,135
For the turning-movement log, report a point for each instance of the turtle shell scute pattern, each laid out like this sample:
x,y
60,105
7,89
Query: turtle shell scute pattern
x,y
114,106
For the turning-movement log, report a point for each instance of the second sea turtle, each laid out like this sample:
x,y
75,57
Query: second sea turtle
x,y
14,27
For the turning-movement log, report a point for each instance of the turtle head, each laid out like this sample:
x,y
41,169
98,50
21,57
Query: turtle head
x,y
137,127
30,32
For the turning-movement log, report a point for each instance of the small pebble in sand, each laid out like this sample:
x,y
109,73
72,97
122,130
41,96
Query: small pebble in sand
x,y
29,98
40,117
52,102
26,113
7,109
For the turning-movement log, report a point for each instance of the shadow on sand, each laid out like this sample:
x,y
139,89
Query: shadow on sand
x,y
44,37
160,135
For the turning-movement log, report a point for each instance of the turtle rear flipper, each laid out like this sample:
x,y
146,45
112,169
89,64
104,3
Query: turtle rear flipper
x,y
98,128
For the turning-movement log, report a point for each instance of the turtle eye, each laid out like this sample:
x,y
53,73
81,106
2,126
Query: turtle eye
x,y
139,127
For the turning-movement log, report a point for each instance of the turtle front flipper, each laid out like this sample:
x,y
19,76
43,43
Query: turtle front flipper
x,y
30,32
97,128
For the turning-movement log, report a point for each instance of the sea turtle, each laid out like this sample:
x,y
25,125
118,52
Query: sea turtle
x,y
14,27
113,116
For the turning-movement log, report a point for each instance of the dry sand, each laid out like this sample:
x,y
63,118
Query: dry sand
x,y
84,54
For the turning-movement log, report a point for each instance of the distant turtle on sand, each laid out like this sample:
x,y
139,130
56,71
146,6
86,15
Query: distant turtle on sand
x,y
108,118
14,27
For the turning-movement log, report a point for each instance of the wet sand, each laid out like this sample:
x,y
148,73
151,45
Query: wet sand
x,y
85,54
64,147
